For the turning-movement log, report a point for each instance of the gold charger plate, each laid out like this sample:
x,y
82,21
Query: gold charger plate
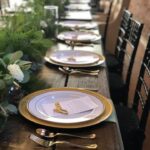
x,y
25,113
61,57
100,62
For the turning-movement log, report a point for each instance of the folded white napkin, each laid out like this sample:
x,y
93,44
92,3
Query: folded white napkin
x,y
79,6
79,24
84,15
72,106
85,37
79,1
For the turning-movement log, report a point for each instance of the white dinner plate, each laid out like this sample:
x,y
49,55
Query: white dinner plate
x,y
78,7
78,36
48,60
23,109
78,24
75,57
36,106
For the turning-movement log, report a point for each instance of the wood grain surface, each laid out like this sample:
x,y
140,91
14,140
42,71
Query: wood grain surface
x,y
18,129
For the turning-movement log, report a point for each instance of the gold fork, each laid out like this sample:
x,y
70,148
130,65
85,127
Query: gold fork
x,y
47,143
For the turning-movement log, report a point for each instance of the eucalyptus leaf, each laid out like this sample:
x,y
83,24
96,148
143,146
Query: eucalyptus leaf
x,y
4,103
3,111
16,56
24,65
1,53
1,73
2,84
26,76
3,63
11,109
13,57
8,79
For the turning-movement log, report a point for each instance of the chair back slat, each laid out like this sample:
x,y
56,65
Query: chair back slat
x,y
141,99
107,20
122,34
145,113
147,69
128,55
133,38
143,83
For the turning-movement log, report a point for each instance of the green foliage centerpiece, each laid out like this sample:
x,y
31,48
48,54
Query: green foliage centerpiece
x,y
23,32
13,72
24,39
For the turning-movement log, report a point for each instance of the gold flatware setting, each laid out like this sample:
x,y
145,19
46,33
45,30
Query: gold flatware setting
x,y
49,143
48,134
68,70
82,70
77,43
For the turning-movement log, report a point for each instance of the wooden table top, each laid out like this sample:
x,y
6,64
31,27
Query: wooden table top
x,y
18,129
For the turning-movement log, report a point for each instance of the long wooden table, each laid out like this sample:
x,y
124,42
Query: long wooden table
x,y
18,129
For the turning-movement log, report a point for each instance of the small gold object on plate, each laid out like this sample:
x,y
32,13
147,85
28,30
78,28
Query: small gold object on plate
x,y
58,108
71,59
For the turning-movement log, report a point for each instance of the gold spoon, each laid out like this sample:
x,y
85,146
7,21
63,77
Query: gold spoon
x,y
47,134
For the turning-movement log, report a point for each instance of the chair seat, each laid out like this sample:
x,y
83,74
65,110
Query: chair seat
x,y
132,136
118,89
112,62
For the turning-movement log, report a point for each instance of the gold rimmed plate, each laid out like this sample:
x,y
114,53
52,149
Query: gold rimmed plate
x,y
78,24
81,106
75,58
87,63
23,109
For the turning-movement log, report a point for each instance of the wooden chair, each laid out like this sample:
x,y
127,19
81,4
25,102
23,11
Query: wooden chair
x,y
111,14
114,61
114,23
133,120
107,20
119,84
102,18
